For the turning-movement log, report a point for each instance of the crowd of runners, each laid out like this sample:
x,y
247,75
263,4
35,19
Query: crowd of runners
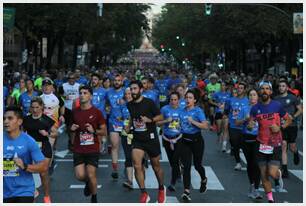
x,y
101,110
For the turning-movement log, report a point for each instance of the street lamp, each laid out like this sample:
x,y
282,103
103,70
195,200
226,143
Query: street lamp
x,y
177,37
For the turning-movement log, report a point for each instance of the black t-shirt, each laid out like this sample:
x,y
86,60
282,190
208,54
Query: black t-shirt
x,y
32,126
143,131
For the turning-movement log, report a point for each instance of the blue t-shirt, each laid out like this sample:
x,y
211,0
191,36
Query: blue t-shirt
x,y
243,115
125,114
182,103
161,86
221,98
82,80
153,95
172,128
25,101
115,118
5,95
172,82
58,82
197,114
192,84
17,182
98,99
235,105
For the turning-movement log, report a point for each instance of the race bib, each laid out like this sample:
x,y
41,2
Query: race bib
x,y
126,122
139,126
129,139
162,98
86,139
174,125
39,144
10,169
117,128
266,149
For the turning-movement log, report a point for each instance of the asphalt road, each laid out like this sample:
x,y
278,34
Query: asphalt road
x,y
225,185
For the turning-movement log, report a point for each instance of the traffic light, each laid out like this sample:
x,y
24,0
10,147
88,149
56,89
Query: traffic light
x,y
208,9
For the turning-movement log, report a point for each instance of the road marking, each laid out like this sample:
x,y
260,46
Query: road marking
x,y
273,190
297,173
150,180
80,186
301,153
164,156
213,181
243,169
61,154
171,199
101,160
103,166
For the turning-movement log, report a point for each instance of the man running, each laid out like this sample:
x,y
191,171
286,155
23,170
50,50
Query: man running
x,y
293,107
19,152
88,127
144,113
268,114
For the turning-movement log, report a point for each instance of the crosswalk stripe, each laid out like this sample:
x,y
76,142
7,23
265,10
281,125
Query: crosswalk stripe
x,y
213,182
171,199
164,156
150,179
101,160
80,186
298,173
61,154
301,153
273,190
103,166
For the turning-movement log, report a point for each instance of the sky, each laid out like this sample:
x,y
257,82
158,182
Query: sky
x,y
156,8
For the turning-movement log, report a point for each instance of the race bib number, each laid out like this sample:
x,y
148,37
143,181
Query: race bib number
x,y
162,98
86,139
39,144
174,125
117,128
140,126
10,169
129,139
266,149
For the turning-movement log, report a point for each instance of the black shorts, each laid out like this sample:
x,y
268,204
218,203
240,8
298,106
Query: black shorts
x,y
151,147
87,159
290,134
46,149
218,116
68,117
269,159
24,199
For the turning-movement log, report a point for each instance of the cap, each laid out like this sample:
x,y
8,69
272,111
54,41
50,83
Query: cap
x,y
214,75
265,83
47,81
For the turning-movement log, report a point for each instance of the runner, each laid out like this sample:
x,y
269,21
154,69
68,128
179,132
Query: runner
x,y
268,114
172,136
25,98
233,108
41,128
17,91
114,98
19,152
211,88
144,113
249,145
293,107
182,91
218,100
88,127
192,121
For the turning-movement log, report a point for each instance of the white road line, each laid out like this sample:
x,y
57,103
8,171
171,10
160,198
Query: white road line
x,y
150,180
171,199
101,160
103,166
301,153
213,181
273,190
298,173
80,186
164,156
61,154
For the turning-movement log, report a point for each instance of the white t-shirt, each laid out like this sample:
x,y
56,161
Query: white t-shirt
x,y
51,106
72,91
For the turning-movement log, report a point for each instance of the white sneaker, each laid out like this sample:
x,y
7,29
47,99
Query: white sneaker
x,y
238,166
224,147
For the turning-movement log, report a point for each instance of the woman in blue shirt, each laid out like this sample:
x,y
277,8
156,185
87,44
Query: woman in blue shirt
x,y
192,121
172,135
249,145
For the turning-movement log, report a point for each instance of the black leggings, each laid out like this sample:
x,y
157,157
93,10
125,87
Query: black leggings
x,y
173,157
127,148
250,150
194,148
26,199
236,141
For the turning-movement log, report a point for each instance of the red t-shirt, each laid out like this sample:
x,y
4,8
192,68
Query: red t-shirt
x,y
84,141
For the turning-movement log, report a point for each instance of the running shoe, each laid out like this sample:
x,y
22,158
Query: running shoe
x,y
271,201
203,187
257,194
87,189
47,199
144,197
251,191
161,198
128,184
238,167
285,173
115,175
296,158
186,196
171,188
